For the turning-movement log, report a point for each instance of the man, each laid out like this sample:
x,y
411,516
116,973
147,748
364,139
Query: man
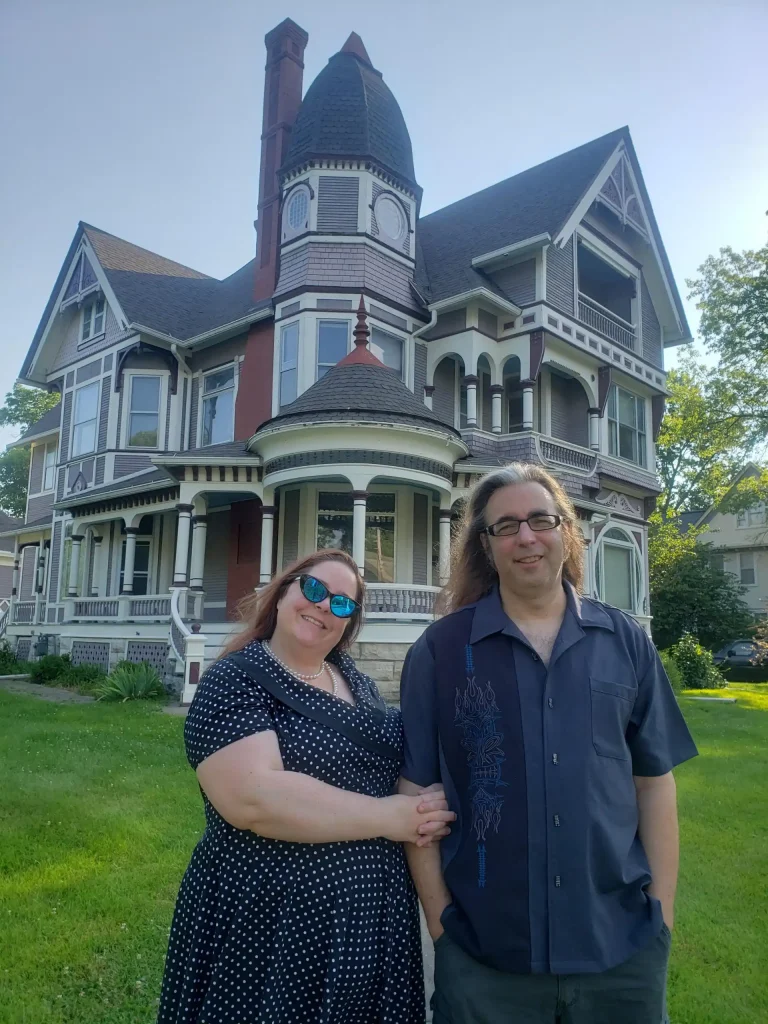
x,y
549,720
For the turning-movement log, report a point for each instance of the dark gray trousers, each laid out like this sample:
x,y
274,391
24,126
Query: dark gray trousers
x,y
468,992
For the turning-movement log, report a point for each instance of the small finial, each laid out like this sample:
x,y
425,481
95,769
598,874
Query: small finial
x,y
362,331
195,628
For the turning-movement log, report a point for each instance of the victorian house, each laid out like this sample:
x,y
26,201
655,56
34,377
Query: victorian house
x,y
344,388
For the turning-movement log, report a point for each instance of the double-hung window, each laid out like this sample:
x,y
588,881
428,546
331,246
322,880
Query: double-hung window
x,y
626,426
93,319
144,412
389,349
754,516
49,468
84,419
332,344
289,363
747,568
219,406
618,571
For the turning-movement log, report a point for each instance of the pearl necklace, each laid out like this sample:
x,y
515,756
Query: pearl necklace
x,y
325,667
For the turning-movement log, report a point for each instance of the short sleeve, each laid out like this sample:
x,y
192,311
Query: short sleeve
x,y
419,709
228,706
658,737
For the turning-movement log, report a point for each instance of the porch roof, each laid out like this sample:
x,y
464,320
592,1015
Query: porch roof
x,y
212,454
149,479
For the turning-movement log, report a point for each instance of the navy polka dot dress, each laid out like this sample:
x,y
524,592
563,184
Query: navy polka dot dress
x,y
273,932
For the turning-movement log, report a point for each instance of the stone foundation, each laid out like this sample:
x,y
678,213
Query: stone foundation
x,y
383,663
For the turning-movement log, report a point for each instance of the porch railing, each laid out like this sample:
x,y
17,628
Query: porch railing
x,y
4,617
607,323
151,607
24,612
400,601
96,608
119,609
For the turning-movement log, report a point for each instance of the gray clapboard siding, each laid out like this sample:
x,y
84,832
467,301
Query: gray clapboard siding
x,y
419,369
99,477
560,276
518,282
167,420
420,537
444,396
290,514
651,327
39,507
193,400
66,423
487,322
569,405
337,199
452,322
28,569
125,464
88,372
216,556
55,556
106,393
36,469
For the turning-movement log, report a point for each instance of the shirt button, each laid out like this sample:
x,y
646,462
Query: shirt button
x,y
550,702
557,881
554,759
557,821
534,656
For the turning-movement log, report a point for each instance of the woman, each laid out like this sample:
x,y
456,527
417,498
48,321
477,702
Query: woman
x,y
297,906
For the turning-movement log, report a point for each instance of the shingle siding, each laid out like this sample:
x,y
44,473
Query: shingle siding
x,y
39,507
420,537
518,282
69,352
106,392
651,328
560,276
125,464
446,324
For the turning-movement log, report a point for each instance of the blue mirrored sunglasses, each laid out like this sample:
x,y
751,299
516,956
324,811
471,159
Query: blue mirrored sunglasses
x,y
316,591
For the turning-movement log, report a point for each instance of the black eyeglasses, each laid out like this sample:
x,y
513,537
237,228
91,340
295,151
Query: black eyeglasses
x,y
509,527
315,590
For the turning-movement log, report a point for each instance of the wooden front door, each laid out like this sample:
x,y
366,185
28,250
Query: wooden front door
x,y
244,551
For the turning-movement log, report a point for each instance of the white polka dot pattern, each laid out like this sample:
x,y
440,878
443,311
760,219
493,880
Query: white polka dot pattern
x,y
271,932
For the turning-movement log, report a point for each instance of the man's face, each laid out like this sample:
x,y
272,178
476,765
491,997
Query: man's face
x,y
528,562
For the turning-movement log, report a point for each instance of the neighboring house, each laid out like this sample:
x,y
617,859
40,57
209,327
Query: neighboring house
x,y
739,543
347,386
7,523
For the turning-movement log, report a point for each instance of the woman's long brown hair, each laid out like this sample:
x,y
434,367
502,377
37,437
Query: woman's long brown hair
x,y
472,573
259,610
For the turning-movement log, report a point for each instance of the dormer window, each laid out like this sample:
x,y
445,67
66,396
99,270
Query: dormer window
x,y
296,213
390,218
94,313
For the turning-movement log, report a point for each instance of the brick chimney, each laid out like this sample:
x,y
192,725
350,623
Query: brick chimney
x,y
283,80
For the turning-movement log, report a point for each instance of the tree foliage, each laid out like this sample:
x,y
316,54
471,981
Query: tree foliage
x,y
23,406
689,594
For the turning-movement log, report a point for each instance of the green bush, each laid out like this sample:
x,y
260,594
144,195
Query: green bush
x,y
672,670
86,679
132,682
46,670
9,665
697,670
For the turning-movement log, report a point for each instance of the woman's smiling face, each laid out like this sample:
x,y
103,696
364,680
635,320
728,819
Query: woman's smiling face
x,y
314,626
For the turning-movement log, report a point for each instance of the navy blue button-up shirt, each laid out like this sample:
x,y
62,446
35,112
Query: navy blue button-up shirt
x,y
544,863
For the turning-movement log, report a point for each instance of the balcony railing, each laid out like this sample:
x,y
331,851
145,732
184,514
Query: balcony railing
x,y
24,612
400,601
582,460
607,323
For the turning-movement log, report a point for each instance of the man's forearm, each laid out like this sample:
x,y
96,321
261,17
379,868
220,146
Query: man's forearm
x,y
427,874
658,829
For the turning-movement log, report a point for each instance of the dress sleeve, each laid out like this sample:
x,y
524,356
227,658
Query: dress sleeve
x,y
228,706
419,708
658,737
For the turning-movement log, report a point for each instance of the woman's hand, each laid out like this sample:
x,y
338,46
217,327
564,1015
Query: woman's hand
x,y
417,819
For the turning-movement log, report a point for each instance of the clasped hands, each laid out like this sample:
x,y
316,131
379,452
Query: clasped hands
x,y
420,819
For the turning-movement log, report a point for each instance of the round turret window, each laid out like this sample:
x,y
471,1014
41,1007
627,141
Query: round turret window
x,y
298,209
390,218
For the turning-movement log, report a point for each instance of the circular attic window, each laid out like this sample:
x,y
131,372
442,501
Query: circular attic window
x,y
390,218
298,209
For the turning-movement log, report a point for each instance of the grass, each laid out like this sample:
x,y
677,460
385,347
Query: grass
x,y
99,813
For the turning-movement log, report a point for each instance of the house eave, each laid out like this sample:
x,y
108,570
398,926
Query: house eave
x,y
461,299
508,253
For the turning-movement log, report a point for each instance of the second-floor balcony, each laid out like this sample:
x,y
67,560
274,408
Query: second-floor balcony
x,y
609,324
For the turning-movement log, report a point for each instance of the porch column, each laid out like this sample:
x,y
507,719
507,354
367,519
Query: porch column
x,y
528,404
95,566
429,390
197,561
131,533
359,499
496,392
471,383
74,565
41,560
182,545
267,527
444,554
15,588
594,429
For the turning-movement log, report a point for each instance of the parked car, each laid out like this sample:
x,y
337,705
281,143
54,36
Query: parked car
x,y
738,661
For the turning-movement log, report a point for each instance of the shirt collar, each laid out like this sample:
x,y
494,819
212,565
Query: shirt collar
x,y
490,617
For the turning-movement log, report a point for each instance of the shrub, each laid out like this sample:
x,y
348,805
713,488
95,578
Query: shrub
x,y
86,679
46,670
132,682
672,669
697,670
9,665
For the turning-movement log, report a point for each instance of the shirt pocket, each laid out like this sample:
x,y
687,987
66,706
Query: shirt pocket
x,y
611,709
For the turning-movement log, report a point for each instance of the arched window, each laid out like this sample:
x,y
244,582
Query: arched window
x,y
619,571
296,213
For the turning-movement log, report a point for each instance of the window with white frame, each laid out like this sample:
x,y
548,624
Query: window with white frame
x,y
618,571
289,363
219,406
84,419
49,468
332,344
747,575
754,516
296,212
389,349
94,315
144,412
626,426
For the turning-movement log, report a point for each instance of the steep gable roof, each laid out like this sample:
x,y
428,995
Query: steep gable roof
x,y
47,424
751,469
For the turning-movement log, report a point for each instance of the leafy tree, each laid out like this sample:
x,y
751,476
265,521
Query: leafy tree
x,y
689,594
23,407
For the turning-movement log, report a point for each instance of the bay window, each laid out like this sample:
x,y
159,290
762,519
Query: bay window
x,y
218,406
84,419
626,426
289,362
389,349
144,412
332,344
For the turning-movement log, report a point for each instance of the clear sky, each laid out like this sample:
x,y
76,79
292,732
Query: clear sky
x,y
143,117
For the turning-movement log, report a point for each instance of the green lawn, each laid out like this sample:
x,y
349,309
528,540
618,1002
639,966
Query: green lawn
x,y
99,813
